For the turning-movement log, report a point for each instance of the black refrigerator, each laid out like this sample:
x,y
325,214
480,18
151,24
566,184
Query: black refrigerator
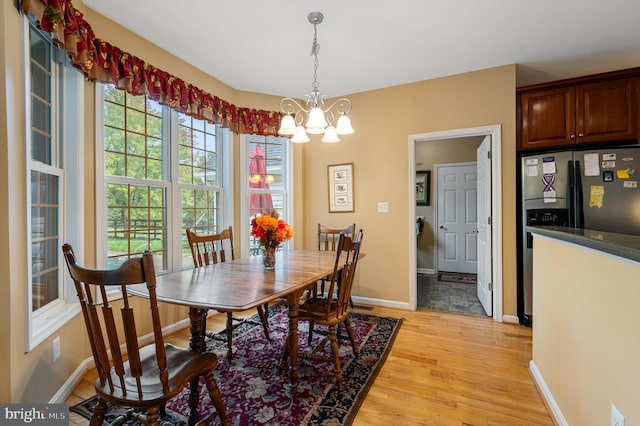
x,y
591,189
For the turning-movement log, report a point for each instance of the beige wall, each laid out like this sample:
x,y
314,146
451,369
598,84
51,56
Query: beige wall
x,y
383,119
429,153
586,338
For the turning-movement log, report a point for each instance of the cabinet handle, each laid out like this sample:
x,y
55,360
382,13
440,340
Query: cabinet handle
x,y
580,135
572,136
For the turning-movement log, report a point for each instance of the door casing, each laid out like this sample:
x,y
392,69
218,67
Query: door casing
x,y
495,131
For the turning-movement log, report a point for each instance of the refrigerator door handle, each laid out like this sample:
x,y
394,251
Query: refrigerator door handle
x,y
571,191
579,198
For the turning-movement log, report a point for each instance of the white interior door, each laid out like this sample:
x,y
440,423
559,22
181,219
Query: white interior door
x,y
484,226
456,217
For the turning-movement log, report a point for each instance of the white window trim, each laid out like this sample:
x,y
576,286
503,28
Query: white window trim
x,y
173,189
243,152
47,320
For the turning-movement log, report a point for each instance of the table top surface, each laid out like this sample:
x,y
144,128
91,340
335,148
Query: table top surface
x,y
241,284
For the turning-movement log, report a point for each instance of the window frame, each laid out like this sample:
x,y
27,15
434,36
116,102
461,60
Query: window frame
x,y
67,124
170,182
245,192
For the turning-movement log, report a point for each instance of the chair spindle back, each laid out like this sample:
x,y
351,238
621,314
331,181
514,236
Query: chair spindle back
x,y
102,324
344,270
211,249
328,238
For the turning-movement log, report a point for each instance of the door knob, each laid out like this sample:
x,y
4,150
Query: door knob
x,y
442,227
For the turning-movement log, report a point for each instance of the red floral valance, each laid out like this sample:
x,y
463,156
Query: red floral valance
x,y
101,61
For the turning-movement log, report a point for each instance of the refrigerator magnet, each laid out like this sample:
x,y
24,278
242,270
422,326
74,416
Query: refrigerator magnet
x,y
630,184
596,195
549,192
607,176
608,164
608,157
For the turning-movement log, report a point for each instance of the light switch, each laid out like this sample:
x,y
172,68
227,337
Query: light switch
x,y
383,207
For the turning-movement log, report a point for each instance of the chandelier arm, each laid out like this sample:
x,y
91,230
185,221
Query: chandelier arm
x,y
343,106
288,106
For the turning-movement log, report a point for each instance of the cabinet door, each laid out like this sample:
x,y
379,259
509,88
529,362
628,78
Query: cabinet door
x,y
605,111
548,118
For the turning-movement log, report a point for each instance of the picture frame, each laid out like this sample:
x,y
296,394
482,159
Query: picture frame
x,y
341,194
423,188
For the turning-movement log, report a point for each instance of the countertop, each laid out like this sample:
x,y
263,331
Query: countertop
x,y
625,246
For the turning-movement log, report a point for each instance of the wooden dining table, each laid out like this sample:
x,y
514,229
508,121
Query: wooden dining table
x,y
243,284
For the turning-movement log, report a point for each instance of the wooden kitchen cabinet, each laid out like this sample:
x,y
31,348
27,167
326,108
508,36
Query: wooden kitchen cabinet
x,y
579,112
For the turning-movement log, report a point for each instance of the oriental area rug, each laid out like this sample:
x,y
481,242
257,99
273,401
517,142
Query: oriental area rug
x,y
256,392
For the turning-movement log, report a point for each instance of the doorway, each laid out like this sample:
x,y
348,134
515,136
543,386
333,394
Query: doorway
x,y
496,200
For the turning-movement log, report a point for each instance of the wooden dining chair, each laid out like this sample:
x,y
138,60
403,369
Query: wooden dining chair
x,y
327,241
214,248
150,375
328,237
332,309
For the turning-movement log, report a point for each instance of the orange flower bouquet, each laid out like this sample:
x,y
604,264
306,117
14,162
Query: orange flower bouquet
x,y
271,231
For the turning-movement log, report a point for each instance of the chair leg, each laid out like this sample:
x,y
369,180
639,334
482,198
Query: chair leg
x,y
336,356
98,413
216,398
193,400
153,415
347,325
310,337
263,313
229,335
284,362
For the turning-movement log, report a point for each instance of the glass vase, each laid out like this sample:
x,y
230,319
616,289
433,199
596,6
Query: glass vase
x,y
269,258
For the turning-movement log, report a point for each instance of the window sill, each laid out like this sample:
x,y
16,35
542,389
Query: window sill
x,y
48,323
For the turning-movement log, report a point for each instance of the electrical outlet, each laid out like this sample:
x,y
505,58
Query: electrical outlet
x,y
383,207
617,419
56,348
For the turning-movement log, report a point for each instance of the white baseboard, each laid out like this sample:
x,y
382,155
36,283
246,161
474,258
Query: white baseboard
x,y
381,302
426,271
511,319
76,377
546,394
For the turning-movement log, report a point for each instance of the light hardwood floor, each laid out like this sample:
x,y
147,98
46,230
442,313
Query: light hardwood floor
x,y
444,369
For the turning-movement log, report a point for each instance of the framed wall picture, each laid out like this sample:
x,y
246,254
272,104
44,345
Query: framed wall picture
x,y
423,188
341,188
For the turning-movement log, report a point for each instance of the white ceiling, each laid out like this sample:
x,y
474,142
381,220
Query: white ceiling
x,y
264,46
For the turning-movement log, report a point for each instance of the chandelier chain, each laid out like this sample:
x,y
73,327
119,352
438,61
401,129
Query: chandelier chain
x,y
315,48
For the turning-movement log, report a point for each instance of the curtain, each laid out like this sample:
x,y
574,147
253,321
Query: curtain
x,y
101,61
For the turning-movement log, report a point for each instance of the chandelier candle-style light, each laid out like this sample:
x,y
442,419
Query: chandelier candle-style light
x,y
319,120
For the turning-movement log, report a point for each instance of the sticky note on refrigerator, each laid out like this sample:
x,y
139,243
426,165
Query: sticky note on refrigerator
x,y
532,170
596,195
622,174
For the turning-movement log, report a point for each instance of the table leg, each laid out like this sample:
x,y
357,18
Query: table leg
x,y
198,327
293,299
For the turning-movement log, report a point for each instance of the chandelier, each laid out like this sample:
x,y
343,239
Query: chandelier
x,y
319,120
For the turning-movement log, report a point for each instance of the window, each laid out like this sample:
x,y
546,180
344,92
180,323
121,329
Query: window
x,y
267,179
53,170
162,175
